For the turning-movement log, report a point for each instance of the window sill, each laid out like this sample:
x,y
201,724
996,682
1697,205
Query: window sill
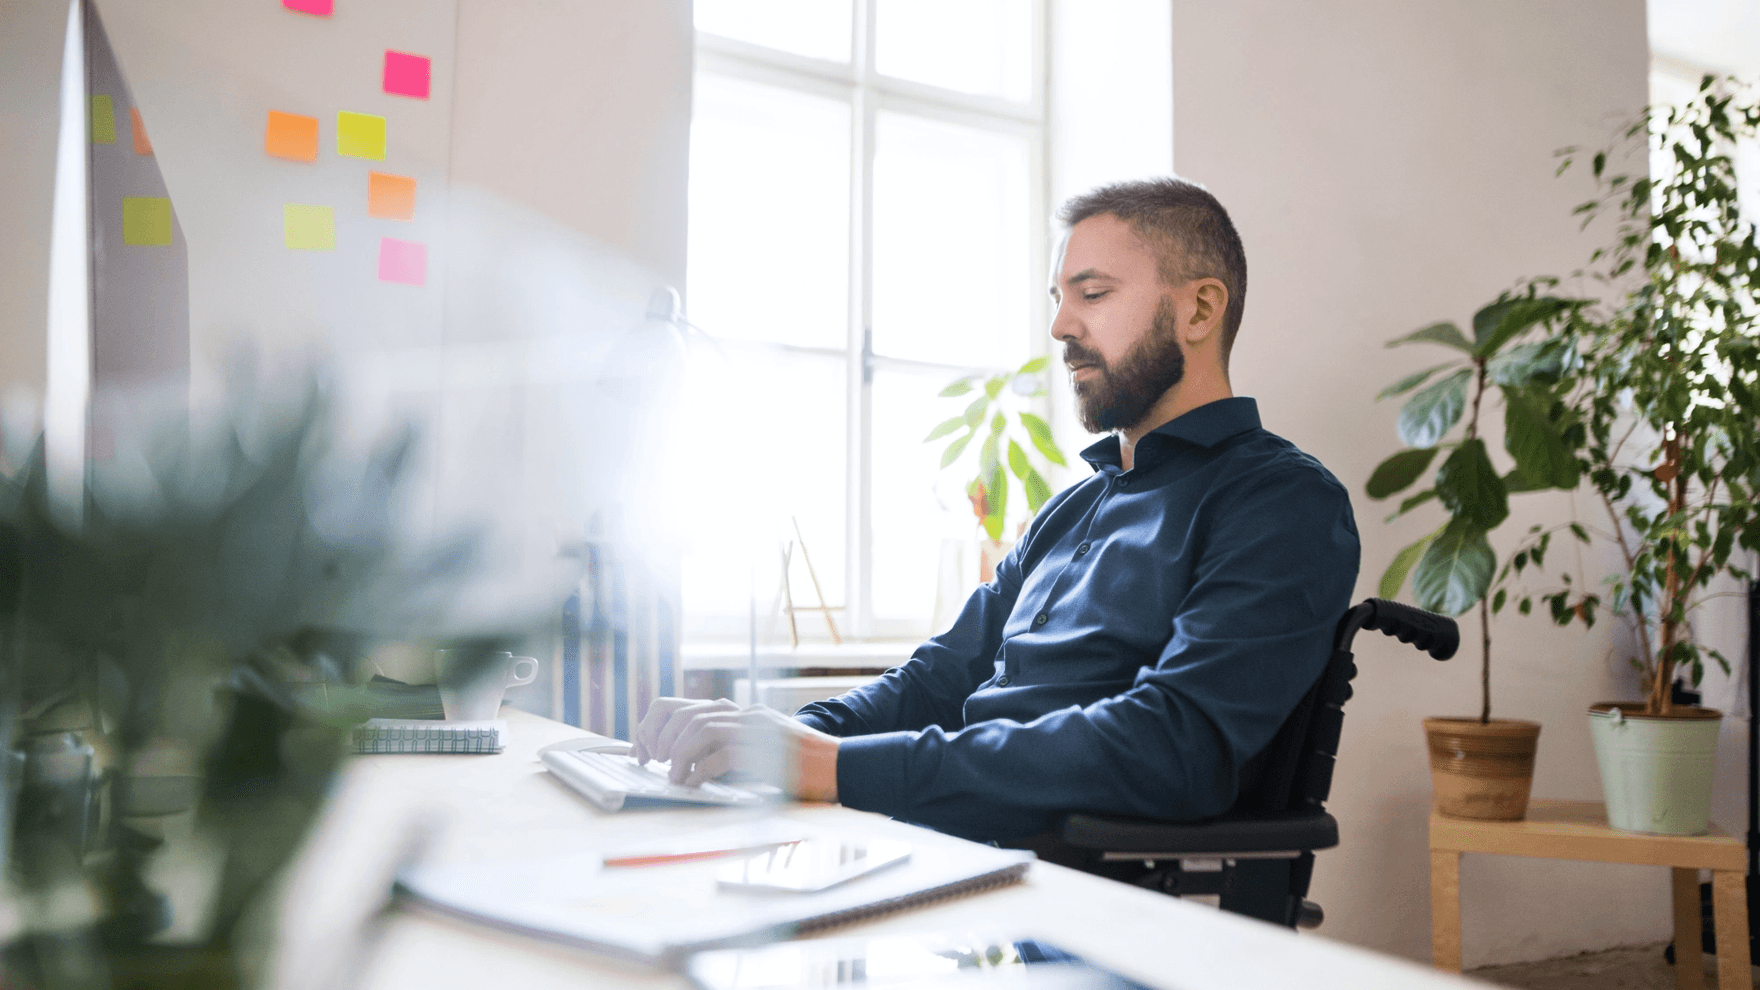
x,y
844,656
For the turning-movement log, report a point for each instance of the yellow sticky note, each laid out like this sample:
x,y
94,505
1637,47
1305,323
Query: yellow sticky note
x,y
309,228
146,220
103,121
360,135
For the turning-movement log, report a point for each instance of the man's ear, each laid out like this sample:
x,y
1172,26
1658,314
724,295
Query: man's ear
x,y
1209,303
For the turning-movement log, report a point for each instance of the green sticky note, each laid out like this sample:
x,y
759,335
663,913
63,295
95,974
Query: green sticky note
x,y
360,135
103,121
146,220
309,228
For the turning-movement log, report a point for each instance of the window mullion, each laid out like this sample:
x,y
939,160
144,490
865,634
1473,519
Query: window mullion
x,y
858,582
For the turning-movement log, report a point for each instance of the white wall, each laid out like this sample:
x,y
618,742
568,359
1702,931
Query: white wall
x,y
31,33
1390,164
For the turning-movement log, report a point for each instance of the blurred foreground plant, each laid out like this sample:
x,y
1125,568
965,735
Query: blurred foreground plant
x,y
176,624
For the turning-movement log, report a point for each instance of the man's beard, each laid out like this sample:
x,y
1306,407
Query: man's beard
x,y
1120,397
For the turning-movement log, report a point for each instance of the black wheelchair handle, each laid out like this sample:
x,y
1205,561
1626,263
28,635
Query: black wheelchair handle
x,y
1435,634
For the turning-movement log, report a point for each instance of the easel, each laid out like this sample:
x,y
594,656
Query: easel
x,y
789,608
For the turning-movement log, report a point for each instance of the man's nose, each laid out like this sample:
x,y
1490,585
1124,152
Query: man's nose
x,y
1063,325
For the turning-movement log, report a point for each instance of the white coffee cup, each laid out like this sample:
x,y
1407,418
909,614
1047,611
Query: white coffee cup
x,y
471,684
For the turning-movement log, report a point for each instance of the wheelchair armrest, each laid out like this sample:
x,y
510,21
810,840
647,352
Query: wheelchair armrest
x,y
1287,832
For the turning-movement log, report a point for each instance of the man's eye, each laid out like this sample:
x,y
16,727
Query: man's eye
x,y
1091,296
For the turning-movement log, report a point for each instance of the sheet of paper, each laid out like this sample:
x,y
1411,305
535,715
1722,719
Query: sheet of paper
x,y
146,220
292,136
138,131
319,7
309,228
391,197
103,121
406,74
405,262
360,135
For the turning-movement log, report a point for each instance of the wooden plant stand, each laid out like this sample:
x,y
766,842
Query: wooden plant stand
x,y
1579,830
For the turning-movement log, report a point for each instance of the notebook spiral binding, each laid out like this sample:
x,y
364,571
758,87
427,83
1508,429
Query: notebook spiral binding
x,y
437,738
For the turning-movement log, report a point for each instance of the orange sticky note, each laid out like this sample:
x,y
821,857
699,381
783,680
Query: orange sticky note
x,y
292,136
391,197
138,130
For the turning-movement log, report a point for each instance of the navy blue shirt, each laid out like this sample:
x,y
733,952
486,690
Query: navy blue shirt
x,y
1144,639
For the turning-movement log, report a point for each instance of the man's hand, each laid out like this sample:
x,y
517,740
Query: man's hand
x,y
706,739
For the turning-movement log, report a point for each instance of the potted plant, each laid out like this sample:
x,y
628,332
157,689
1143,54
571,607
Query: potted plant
x,y
1482,767
168,650
1000,452
1669,388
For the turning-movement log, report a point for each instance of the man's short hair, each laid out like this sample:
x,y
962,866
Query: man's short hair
x,y
1187,228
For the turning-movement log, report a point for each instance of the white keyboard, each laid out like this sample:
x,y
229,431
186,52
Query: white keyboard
x,y
608,780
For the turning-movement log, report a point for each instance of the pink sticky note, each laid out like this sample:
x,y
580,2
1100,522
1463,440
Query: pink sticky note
x,y
319,7
403,261
406,75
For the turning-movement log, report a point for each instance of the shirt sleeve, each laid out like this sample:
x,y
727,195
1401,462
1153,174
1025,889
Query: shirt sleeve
x,y
1276,570
930,689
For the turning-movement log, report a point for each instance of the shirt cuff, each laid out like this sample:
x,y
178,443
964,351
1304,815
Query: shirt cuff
x,y
871,772
812,721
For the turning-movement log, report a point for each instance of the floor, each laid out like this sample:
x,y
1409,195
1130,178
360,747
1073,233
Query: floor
x,y
1640,968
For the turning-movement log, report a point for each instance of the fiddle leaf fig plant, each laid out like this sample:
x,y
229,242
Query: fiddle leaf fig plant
x,y
1000,452
1452,567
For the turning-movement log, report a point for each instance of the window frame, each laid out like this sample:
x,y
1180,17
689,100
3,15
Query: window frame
x,y
868,93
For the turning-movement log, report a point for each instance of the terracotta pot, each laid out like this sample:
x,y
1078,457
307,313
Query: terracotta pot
x,y
1482,769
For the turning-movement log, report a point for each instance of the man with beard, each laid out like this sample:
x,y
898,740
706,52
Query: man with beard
x,y
1145,639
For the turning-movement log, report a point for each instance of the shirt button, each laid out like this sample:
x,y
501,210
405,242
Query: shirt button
x,y
1124,482
1082,549
1041,619
1002,681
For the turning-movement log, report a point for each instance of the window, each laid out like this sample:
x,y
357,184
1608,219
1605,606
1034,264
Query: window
x,y
867,218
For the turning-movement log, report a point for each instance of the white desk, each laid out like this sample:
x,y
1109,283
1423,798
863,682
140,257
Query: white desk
x,y
505,805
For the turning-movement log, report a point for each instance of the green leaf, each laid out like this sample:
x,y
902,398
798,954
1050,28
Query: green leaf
x,y
960,387
1541,454
1395,576
998,497
1017,460
1526,363
1034,366
1040,433
1506,319
1398,471
1412,503
974,413
1410,382
995,385
1444,333
989,457
998,424
1455,570
1037,490
1470,488
944,428
1515,483
1434,410
955,448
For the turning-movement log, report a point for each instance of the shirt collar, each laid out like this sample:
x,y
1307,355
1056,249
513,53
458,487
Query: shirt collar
x,y
1206,426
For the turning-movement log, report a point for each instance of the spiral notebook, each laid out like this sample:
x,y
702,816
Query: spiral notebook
x,y
418,735
660,914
